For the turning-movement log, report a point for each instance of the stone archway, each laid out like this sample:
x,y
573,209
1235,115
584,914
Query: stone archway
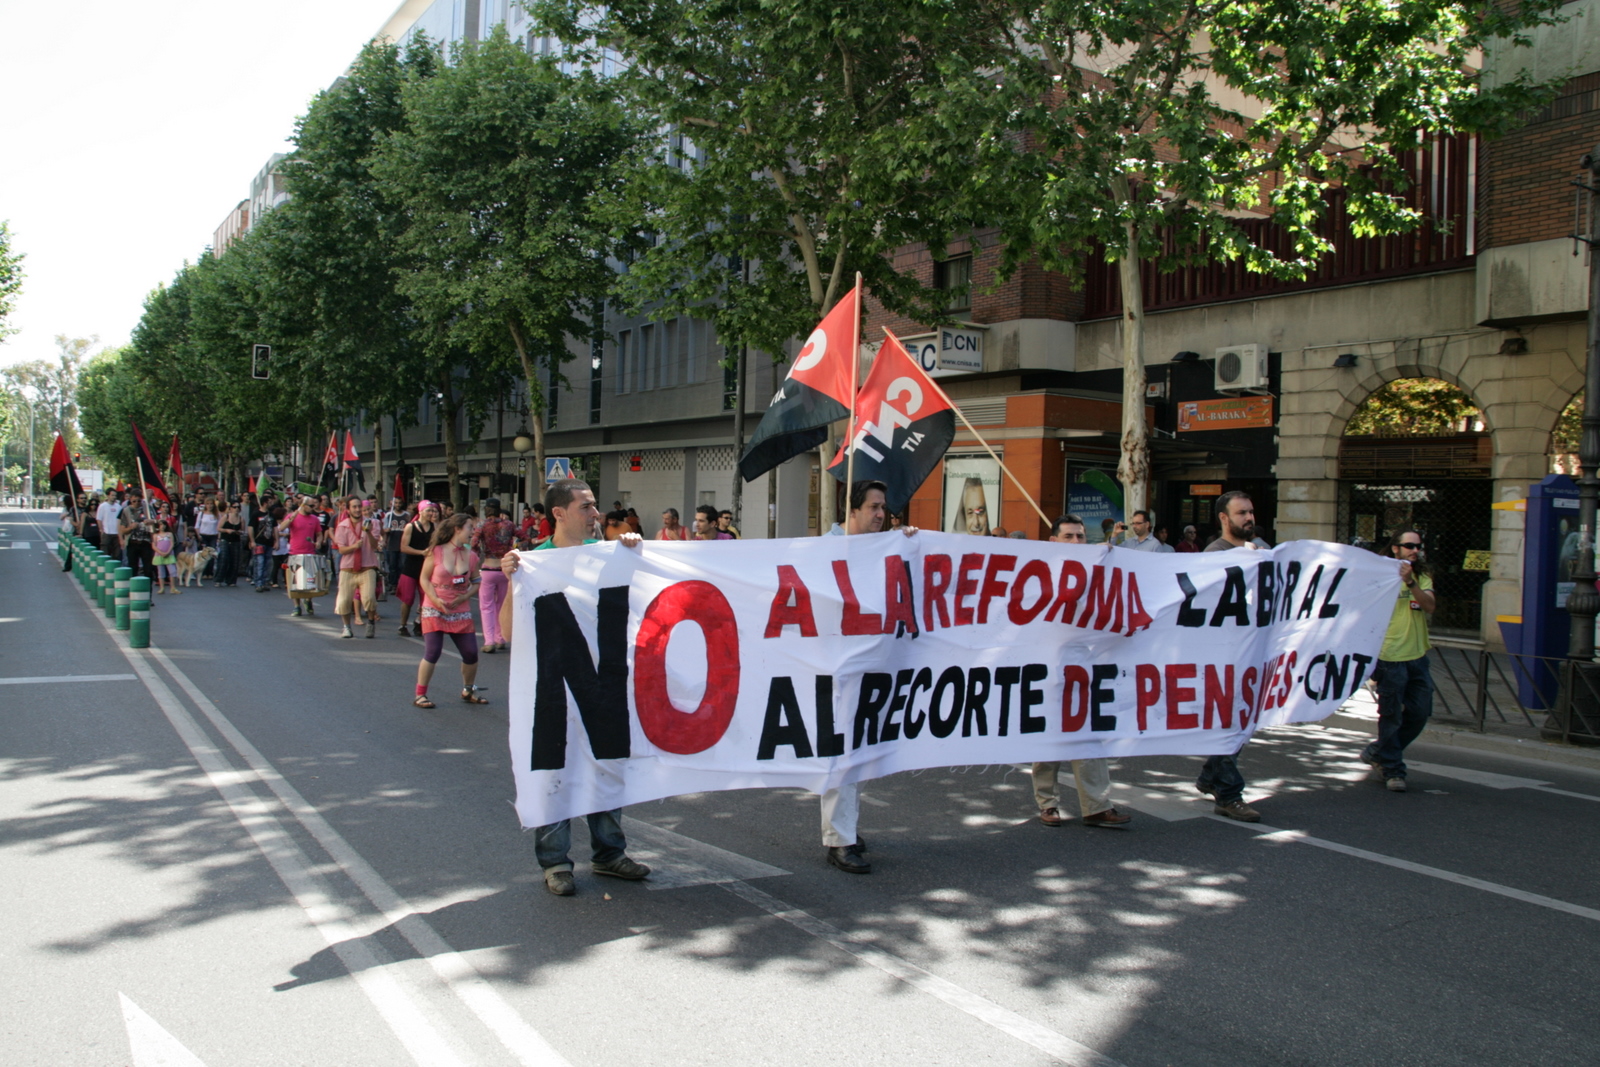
x,y
1520,397
1416,455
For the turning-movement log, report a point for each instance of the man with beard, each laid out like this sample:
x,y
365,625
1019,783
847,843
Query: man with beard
x,y
1220,777
1236,515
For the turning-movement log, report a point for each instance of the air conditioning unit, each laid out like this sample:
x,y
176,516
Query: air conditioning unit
x,y
1241,368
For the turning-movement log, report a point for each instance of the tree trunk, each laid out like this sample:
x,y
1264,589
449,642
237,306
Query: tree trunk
x,y
535,404
450,409
738,435
1133,470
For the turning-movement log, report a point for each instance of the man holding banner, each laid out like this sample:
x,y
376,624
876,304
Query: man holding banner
x,y
571,506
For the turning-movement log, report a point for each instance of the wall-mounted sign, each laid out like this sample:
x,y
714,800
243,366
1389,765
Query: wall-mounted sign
x,y
949,351
1234,413
1205,490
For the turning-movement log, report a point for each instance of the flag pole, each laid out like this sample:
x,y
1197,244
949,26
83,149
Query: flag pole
x,y
850,423
995,455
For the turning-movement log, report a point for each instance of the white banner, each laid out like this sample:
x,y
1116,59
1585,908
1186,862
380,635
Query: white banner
x,y
687,667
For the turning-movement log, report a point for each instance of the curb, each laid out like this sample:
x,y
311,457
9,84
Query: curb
x,y
1471,740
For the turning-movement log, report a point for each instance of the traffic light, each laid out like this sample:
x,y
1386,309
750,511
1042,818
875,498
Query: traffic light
x,y
260,361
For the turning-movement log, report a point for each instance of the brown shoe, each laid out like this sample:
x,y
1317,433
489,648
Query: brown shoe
x,y
1238,809
1109,817
1050,817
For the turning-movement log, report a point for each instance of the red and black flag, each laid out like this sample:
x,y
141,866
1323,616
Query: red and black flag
x,y
149,473
903,425
330,462
63,475
352,460
175,463
816,392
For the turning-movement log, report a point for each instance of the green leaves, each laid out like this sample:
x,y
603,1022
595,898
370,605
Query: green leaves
x,y
10,278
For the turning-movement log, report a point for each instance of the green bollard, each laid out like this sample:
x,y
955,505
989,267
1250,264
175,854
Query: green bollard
x,y
108,589
139,613
91,577
120,580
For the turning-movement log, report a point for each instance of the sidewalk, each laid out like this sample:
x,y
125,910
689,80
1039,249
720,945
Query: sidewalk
x,y
1360,713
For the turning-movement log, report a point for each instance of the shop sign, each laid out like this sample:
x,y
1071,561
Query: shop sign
x,y
1212,489
949,351
1234,413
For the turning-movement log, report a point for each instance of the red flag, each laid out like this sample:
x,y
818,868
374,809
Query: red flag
x,y
122,487
175,462
903,425
330,461
149,474
399,488
816,392
252,485
63,476
352,458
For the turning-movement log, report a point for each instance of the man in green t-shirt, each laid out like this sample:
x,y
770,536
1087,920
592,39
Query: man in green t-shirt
x,y
1402,677
570,504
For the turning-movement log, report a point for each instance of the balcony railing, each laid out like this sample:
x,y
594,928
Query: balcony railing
x,y
1442,178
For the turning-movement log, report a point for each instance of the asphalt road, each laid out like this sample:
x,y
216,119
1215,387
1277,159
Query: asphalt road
x,y
246,847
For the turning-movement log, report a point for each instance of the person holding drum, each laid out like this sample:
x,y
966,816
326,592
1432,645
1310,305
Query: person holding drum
x,y
308,568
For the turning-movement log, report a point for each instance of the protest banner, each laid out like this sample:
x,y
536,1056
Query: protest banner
x,y
669,668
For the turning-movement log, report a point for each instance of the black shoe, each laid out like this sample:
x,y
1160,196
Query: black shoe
x,y
849,861
859,847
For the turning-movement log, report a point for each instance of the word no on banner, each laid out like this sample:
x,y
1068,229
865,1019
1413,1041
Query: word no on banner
x,y
670,668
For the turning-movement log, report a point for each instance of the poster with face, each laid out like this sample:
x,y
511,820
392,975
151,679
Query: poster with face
x,y
971,494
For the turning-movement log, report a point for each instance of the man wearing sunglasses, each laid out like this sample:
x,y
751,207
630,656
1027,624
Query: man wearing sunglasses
x,y
1402,677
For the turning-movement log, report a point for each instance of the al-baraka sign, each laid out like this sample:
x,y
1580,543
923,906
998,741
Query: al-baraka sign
x,y
641,673
1235,413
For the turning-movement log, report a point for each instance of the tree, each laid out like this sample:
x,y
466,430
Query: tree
x,y
812,139
1142,126
1411,406
109,395
496,169
10,279
329,258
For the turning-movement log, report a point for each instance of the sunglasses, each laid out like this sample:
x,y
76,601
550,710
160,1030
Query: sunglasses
x,y
1410,544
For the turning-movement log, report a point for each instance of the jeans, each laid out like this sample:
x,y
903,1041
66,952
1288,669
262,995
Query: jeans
x,y
141,559
391,568
1405,701
260,569
1221,778
227,562
209,541
550,843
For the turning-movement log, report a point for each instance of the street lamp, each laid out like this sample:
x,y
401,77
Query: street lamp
x,y
522,444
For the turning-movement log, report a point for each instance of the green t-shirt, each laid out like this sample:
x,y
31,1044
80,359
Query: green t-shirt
x,y
1407,638
550,542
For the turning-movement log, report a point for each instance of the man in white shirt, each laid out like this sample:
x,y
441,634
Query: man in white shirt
x,y
108,517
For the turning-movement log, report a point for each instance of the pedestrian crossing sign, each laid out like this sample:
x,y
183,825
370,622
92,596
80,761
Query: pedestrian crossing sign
x,y
556,468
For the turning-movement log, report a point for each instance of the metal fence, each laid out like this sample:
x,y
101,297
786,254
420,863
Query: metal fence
x,y
1557,698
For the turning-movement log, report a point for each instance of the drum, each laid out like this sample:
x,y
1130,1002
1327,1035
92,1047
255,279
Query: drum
x,y
309,576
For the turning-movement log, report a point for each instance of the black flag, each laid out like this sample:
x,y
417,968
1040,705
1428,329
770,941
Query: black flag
x,y
902,427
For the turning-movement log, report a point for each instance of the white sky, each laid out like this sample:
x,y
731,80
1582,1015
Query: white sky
x,y
130,130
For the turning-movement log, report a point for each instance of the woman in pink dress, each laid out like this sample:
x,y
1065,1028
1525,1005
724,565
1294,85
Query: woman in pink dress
x,y
449,572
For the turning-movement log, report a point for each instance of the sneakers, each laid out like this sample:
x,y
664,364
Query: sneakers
x,y
1395,785
405,631
622,867
1373,766
560,883
1051,817
1109,817
1237,809
297,611
372,628
347,632
311,607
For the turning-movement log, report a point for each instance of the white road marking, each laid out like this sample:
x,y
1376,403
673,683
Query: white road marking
x,y
149,1041
1028,1032
1161,803
1274,835
21,544
365,962
524,1043
49,678
1484,778
677,861
1563,792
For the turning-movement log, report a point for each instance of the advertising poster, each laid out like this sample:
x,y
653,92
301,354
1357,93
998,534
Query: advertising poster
x,y
971,494
1095,497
